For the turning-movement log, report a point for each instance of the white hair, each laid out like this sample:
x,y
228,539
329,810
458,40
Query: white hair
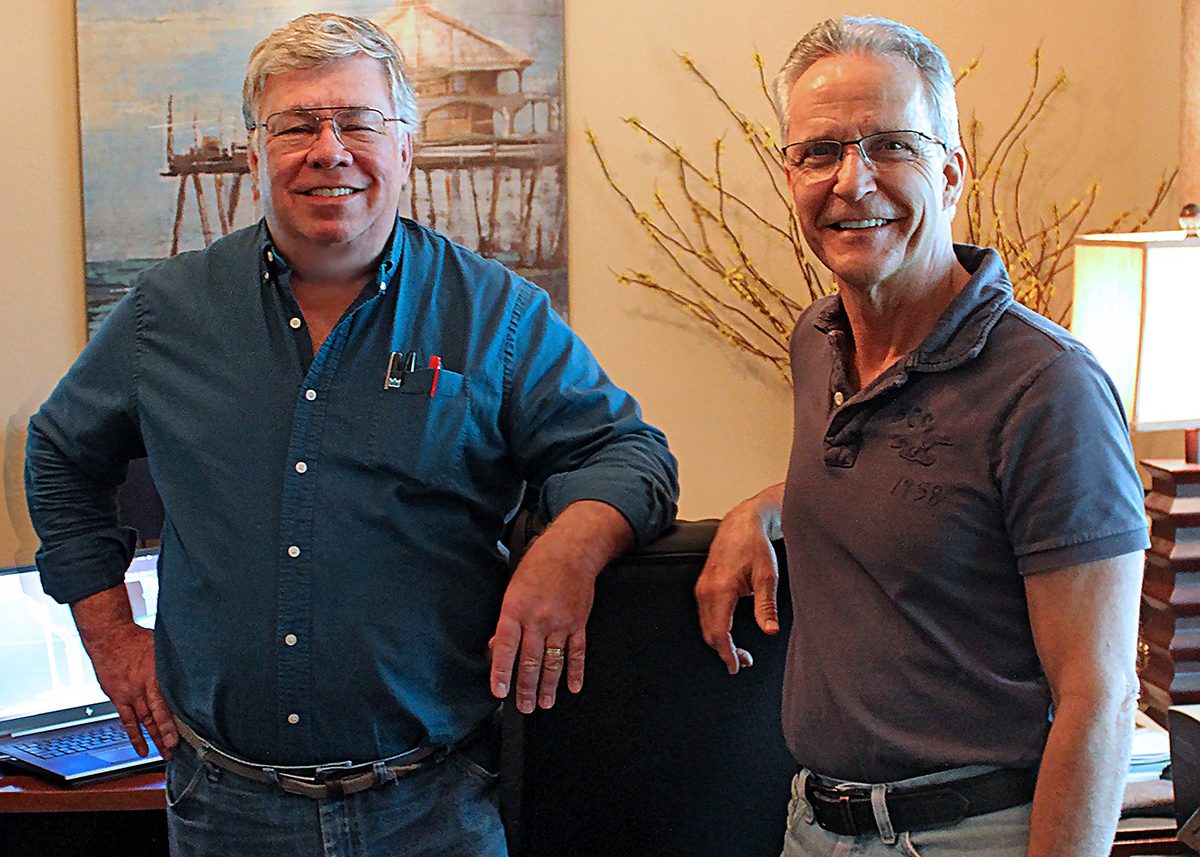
x,y
884,37
310,41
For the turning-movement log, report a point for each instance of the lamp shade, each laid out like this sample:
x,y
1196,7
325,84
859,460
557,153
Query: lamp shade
x,y
1137,307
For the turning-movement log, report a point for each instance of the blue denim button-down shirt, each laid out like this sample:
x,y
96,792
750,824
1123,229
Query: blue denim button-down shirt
x,y
331,568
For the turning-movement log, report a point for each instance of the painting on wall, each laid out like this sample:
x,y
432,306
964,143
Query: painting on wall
x,y
164,146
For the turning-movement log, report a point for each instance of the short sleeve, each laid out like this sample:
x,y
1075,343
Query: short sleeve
x,y
1070,489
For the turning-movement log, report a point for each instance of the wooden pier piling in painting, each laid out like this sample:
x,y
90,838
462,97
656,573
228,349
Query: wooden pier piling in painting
x,y
207,156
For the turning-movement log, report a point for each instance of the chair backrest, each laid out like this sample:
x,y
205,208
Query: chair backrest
x,y
139,504
663,752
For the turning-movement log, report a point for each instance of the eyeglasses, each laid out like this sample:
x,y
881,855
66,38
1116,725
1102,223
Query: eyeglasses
x,y
353,126
819,159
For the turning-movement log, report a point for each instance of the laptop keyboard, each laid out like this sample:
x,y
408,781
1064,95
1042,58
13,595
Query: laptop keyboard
x,y
100,738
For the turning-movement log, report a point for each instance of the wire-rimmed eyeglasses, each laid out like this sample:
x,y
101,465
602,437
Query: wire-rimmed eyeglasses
x,y
299,128
819,159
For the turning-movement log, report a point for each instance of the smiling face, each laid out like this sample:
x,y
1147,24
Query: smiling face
x,y
327,201
873,225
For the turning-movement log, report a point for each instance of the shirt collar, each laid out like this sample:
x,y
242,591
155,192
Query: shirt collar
x,y
274,263
963,328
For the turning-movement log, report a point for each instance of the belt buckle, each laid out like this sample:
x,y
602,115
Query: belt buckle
x,y
837,802
843,805
324,773
295,778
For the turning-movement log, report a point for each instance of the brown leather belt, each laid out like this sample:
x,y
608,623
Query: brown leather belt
x,y
848,812
323,781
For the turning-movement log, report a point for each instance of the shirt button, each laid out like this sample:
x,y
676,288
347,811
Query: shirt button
x,y
289,640
301,467
293,719
293,551
295,323
266,275
311,395
270,256
838,398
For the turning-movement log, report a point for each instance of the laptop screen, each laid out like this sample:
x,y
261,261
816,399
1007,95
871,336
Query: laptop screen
x,y
45,674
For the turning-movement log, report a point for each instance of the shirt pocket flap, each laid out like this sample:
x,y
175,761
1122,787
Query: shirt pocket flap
x,y
419,382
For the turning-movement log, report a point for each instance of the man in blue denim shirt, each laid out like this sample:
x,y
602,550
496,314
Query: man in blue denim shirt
x,y
341,410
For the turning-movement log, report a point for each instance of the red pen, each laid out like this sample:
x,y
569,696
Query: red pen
x,y
435,363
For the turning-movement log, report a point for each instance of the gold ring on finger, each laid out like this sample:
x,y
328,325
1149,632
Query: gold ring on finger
x,y
555,651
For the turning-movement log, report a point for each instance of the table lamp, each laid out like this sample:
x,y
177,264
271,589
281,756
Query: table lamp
x,y
1137,307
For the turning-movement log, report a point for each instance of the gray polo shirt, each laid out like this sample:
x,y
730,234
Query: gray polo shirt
x,y
913,509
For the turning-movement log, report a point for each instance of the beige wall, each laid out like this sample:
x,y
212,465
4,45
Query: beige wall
x,y
1189,137
41,237
727,417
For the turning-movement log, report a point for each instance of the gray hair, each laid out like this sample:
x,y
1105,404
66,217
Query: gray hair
x,y
310,41
884,37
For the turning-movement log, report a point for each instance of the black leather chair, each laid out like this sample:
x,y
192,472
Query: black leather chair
x,y
139,504
663,752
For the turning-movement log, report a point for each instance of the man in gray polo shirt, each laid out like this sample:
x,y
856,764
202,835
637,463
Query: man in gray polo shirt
x,y
962,515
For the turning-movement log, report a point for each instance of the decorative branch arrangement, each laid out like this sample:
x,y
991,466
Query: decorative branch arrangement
x,y
1038,253
701,223
699,226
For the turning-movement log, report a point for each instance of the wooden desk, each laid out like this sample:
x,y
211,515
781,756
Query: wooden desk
x,y
125,817
1138,837
20,793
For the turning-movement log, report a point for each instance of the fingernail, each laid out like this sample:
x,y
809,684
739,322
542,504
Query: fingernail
x,y
501,689
772,627
547,701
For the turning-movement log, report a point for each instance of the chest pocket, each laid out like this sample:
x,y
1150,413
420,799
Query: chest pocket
x,y
418,435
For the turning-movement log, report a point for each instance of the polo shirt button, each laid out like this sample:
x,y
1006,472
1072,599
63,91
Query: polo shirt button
x,y
311,395
266,275
301,467
293,719
295,323
270,256
289,640
838,398
293,551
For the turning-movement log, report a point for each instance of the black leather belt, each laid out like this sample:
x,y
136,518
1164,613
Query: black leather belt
x,y
848,811
325,781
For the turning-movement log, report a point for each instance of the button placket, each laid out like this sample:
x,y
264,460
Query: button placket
x,y
294,656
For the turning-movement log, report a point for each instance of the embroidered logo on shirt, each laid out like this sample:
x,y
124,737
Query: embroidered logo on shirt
x,y
915,436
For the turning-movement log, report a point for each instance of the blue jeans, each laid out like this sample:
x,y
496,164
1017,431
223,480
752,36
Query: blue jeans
x,y
447,810
994,834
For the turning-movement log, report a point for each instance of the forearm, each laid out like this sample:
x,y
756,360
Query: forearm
x,y
122,653
585,537
766,507
1082,778
1084,621
102,615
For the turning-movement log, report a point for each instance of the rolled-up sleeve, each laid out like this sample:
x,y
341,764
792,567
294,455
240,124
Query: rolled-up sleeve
x,y
77,453
575,434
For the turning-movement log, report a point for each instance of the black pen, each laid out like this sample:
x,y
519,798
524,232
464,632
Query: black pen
x,y
399,366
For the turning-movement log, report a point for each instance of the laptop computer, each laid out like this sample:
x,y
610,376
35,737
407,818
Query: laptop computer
x,y
54,718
